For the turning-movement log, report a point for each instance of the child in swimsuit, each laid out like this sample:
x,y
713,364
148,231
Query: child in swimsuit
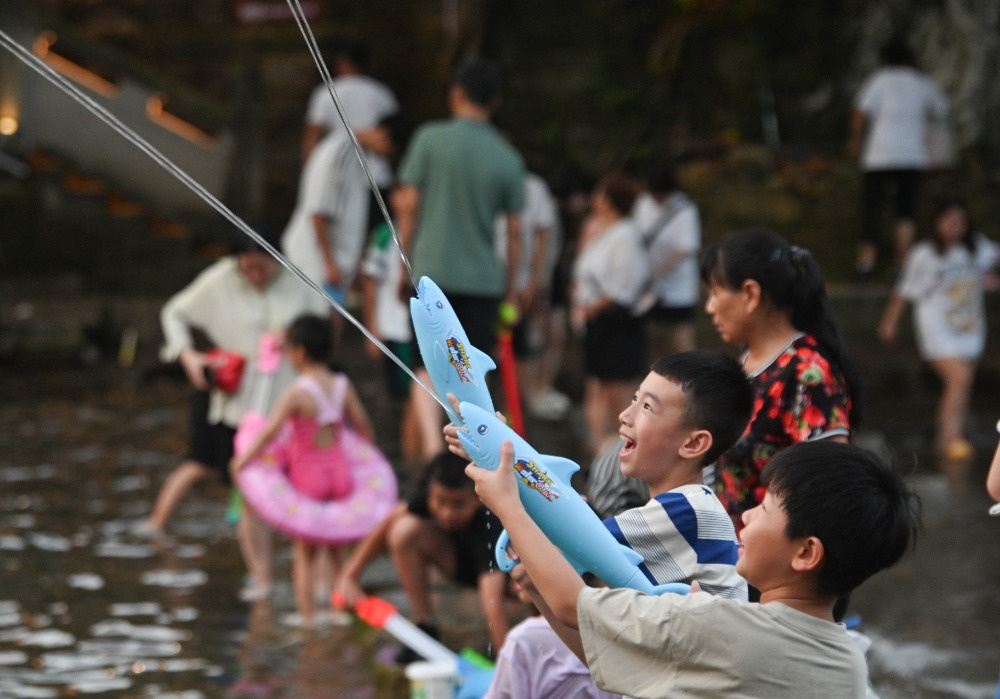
x,y
316,406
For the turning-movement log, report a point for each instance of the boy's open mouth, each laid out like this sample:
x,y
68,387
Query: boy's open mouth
x,y
627,448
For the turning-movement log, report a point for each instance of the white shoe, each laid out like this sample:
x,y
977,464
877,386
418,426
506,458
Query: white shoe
x,y
145,530
255,592
296,621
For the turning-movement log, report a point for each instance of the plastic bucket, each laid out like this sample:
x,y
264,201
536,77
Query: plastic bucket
x,y
432,679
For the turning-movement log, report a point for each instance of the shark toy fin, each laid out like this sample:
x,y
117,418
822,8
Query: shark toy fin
x,y
633,557
562,467
483,360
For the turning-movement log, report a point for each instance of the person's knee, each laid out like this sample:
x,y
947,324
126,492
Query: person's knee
x,y
406,533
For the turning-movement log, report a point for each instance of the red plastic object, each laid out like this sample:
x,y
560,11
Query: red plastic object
x,y
226,369
508,380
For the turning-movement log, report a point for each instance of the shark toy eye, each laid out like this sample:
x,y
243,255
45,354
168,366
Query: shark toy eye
x,y
439,304
483,429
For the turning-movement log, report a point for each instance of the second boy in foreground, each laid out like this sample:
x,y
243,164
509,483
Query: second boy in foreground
x,y
834,515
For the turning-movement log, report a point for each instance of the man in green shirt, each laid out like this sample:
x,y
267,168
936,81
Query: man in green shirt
x,y
456,178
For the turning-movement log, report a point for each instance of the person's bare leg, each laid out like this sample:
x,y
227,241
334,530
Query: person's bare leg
x,y
593,412
681,337
555,344
303,556
956,387
416,545
429,416
178,483
904,233
411,446
254,538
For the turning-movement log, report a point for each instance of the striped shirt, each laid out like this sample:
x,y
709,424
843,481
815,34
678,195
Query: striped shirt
x,y
684,535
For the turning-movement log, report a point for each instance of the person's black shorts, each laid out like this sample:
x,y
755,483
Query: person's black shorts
x,y
211,445
614,348
671,314
903,185
479,316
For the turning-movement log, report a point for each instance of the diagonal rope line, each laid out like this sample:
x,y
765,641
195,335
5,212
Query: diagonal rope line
x,y
111,120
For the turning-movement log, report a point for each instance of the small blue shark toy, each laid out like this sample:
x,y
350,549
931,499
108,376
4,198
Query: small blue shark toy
x,y
454,365
558,510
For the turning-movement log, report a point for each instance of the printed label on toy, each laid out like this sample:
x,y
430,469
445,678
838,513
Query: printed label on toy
x,y
459,359
536,479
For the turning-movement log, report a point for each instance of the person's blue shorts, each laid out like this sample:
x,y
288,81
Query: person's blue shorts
x,y
337,293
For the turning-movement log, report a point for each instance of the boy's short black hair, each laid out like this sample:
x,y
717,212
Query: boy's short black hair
x,y
718,394
314,334
853,501
481,80
448,470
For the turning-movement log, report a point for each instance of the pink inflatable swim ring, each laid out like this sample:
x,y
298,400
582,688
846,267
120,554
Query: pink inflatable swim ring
x,y
266,488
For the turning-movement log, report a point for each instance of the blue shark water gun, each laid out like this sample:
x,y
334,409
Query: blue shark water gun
x,y
557,509
454,365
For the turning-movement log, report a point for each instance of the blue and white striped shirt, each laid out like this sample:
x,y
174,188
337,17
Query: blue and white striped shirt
x,y
684,535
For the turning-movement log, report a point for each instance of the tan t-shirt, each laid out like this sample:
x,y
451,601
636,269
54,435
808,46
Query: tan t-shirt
x,y
699,645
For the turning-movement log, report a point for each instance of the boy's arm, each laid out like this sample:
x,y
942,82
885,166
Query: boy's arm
x,y
372,545
491,586
568,635
554,578
993,477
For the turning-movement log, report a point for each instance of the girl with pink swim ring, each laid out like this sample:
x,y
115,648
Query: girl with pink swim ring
x,y
315,407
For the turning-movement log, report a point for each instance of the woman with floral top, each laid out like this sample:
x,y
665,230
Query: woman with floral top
x,y
768,298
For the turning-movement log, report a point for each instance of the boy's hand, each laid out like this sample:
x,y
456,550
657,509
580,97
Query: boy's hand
x,y
451,432
497,489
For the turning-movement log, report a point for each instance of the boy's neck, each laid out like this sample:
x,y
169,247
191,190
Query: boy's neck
x,y
676,478
805,601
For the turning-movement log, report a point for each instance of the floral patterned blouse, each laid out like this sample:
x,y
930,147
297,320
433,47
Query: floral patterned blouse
x,y
798,398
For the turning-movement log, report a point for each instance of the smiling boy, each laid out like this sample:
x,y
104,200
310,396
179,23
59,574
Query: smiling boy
x,y
690,408
834,515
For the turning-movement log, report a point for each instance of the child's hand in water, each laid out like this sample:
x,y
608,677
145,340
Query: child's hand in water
x,y
497,489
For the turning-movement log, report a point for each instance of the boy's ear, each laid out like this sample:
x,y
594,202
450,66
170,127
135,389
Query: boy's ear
x,y
697,443
809,556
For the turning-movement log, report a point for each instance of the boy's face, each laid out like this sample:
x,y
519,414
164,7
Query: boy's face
x,y
451,508
653,429
766,552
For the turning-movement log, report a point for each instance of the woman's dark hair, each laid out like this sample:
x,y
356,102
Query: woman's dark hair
x,y
314,334
944,205
790,280
621,190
